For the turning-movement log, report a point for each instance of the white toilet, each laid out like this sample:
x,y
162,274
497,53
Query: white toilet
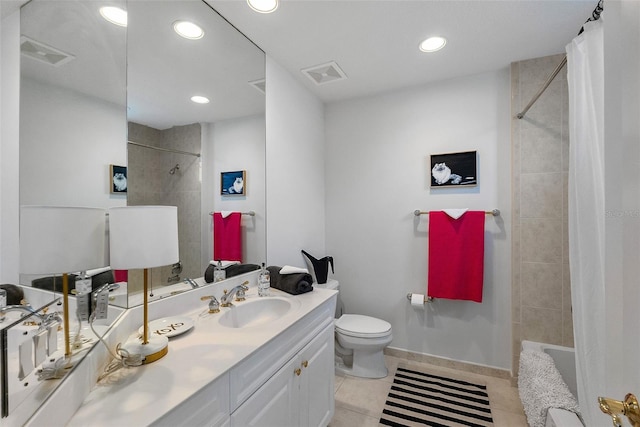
x,y
360,342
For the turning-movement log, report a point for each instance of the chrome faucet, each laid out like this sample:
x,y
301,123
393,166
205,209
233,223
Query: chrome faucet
x,y
106,287
45,319
214,305
191,282
238,291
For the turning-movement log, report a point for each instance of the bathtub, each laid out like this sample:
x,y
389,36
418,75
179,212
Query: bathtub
x,y
565,360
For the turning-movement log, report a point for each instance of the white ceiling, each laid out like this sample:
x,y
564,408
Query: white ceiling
x,y
147,66
375,42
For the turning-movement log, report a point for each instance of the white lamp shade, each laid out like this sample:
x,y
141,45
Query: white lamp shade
x,y
61,239
143,236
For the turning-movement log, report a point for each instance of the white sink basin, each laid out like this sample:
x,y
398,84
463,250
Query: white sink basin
x,y
256,312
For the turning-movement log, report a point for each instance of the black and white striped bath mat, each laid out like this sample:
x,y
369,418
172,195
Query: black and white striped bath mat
x,y
420,398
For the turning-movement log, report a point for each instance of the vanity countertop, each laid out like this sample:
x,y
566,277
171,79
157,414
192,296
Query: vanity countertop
x,y
141,395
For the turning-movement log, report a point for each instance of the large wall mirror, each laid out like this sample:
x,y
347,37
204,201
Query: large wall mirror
x,y
103,103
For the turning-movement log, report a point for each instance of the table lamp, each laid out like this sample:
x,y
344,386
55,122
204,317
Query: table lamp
x,y
144,237
62,239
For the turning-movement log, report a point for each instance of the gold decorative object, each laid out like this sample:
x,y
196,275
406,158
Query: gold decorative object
x,y
629,407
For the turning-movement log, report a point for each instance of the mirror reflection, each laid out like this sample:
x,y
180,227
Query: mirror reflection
x,y
107,119
112,123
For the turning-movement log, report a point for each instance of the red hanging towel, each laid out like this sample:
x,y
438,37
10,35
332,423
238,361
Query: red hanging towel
x,y
121,275
227,237
456,256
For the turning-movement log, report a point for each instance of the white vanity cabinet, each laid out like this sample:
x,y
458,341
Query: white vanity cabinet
x,y
277,374
300,393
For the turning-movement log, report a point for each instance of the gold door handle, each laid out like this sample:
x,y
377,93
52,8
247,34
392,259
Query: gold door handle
x,y
305,363
629,407
298,371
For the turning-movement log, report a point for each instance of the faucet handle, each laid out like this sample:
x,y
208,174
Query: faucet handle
x,y
240,296
214,305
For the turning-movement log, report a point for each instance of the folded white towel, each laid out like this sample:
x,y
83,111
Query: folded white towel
x,y
455,213
225,264
95,271
226,213
541,387
288,269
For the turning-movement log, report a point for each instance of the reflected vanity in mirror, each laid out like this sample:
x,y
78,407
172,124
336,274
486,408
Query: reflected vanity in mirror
x,y
95,94
122,96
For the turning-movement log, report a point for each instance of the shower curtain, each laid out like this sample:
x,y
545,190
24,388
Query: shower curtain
x,y
587,213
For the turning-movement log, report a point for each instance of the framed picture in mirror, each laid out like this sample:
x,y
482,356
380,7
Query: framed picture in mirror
x,y
118,179
233,183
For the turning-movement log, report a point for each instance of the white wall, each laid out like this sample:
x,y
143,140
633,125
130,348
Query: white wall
x,y
378,173
9,147
65,135
295,169
233,145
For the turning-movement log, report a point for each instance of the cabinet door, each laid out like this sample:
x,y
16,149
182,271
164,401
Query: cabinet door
x,y
208,407
275,404
317,380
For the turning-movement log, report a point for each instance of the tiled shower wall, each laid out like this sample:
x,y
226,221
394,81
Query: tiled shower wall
x,y
150,183
541,291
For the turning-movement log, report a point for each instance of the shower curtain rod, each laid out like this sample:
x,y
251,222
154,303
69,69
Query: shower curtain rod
x,y
163,149
595,15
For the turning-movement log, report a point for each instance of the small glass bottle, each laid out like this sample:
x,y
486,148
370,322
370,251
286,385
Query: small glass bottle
x,y
3,301
219,273
83,296
264,282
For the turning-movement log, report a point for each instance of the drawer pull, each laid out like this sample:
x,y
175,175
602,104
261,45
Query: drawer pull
x,y
305,363
298,371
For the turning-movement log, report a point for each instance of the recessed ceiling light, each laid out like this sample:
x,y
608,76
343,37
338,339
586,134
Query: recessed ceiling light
x,y
115,15
200,99
433,44
188,30
263,6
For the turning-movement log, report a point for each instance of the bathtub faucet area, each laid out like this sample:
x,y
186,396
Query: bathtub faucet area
x,y
616,408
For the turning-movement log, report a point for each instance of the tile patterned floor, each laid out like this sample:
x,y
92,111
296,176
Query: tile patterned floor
x,y
359,401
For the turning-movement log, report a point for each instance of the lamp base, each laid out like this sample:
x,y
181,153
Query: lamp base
x,y
155,349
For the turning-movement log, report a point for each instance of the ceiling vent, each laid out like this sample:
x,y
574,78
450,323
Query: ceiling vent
x,y
43,53
260,85
324,73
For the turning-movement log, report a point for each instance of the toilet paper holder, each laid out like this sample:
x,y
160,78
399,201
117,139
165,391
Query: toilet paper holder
x,y
426,298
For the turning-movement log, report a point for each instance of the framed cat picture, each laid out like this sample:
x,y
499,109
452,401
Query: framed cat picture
x,y
454,170
118,179
233,183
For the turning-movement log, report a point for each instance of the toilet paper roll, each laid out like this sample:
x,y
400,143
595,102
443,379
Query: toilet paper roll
x,y
417,301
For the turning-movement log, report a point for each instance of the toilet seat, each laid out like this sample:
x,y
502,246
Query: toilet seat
x,y
359,326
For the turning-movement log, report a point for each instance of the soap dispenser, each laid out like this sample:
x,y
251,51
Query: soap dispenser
x,y
264,282
83,288
219,273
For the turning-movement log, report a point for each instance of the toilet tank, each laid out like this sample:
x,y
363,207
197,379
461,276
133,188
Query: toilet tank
x,y
334,285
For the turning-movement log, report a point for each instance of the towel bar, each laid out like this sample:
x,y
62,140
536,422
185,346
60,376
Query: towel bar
x,y
426,298
250,213
495,212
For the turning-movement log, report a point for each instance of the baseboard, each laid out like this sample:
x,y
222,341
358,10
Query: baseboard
x,y
449,363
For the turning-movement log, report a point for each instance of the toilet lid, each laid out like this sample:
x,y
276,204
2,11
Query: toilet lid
x,y
357,325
